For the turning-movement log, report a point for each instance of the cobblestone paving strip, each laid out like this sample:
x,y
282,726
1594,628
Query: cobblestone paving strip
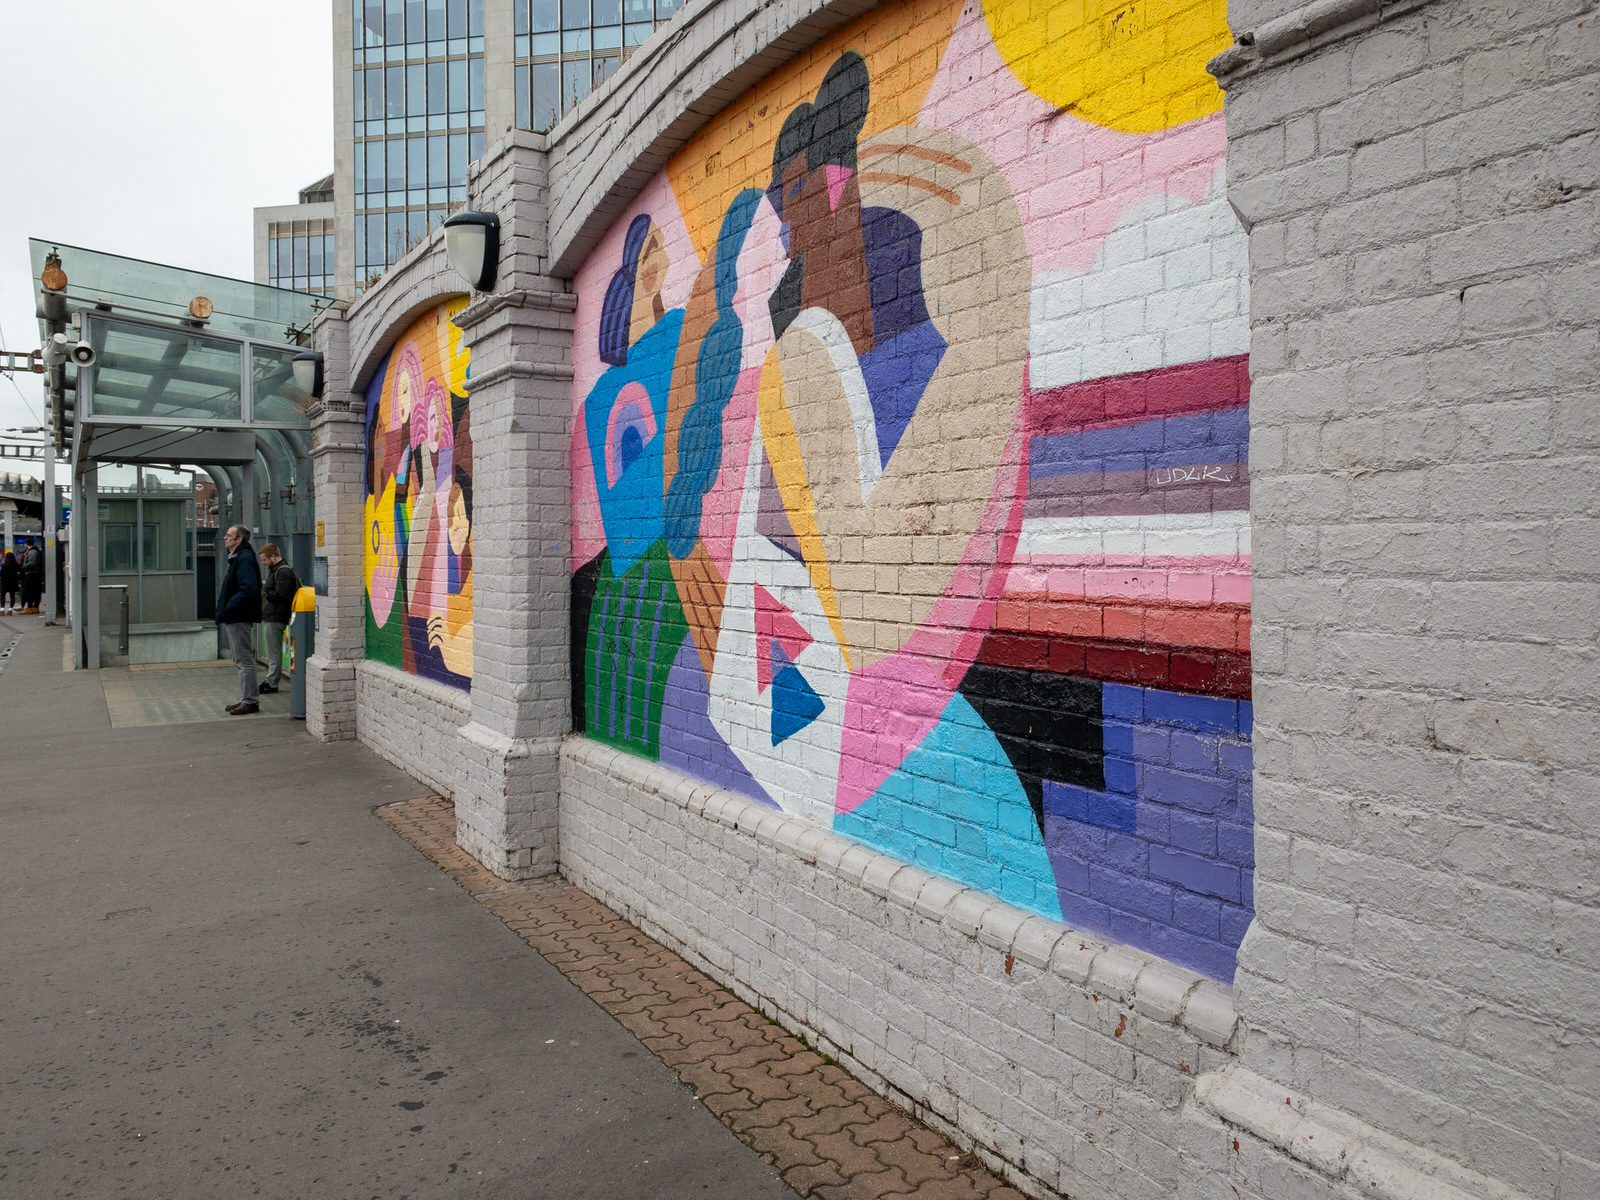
x,y
828,1134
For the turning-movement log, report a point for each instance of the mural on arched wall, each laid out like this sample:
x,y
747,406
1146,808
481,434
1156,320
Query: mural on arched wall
x,y
418,518
909,465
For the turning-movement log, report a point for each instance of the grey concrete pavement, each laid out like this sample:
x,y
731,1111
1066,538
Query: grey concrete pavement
x,y
223,976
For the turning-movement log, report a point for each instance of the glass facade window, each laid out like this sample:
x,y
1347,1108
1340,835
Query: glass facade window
x,y
418,112
300,255
566,48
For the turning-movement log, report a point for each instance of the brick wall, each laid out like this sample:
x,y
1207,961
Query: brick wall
x,y
909,464
1066,1061
413,722
1421,199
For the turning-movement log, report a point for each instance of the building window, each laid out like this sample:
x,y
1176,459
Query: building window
x,y
566,48
300,255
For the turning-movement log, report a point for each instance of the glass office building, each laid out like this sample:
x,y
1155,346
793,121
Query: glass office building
x,y
565,48
418,119
419,83
295,243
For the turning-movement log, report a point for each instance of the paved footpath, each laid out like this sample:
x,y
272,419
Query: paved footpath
x,y
223,976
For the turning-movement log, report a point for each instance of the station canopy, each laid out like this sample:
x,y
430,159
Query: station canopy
x,y
173,348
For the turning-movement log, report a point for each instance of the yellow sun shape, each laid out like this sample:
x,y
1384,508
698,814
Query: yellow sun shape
x,y
1136,66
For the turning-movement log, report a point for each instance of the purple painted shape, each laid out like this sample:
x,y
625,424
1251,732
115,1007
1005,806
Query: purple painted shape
x,y
772,519
689,742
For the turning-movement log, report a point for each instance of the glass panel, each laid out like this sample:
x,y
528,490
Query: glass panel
x,y
519,10
394,23
458,18
637,35
640,10
198,376
395,91
436,24
416,90
665,8
397,164
574,14
458,86
607,12
373,22
302,253
522,97
277,399
475,83
416,227
416,21
438,87
604,68
315,242
374,92
375,176
458,158
416,162
545,43
608,38
438,161
575,82
116,548
546,15
574,40
377,245
475,146
475,18
545,105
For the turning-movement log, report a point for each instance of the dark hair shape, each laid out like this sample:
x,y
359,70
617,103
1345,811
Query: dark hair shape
x,y
616,309
825,130
464,482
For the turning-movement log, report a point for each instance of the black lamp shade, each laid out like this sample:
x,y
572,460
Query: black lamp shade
x,y
472,244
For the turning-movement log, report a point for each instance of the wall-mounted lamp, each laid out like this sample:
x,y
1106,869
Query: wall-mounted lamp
x,y
472,244
264,500
289,494
307,367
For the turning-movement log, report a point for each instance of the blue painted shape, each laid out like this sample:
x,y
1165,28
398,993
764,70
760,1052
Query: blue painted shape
x,y
1105,809
897,373
795,704
1221,436
960,773
632,510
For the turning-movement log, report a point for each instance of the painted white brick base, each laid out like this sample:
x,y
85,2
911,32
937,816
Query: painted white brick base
x,y
1067,1063
412,722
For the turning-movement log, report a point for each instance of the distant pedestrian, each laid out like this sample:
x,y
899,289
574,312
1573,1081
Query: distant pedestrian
x,y
277,606
32,564
10,575
238,610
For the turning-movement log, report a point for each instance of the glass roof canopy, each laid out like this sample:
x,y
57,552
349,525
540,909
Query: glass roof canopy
x,y
175,348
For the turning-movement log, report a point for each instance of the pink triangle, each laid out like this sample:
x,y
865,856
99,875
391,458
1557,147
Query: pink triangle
x,y
838,176
777,632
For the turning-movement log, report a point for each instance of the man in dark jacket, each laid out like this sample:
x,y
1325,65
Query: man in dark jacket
x,y
32,563
238,610
277,606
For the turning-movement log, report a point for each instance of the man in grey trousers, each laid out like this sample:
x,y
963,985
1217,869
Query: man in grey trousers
x,y
238,610
277,609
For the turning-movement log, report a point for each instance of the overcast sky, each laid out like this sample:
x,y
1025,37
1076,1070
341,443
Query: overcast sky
x,y
151,128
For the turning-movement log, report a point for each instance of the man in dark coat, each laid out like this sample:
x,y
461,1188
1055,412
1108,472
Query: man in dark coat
x,y
238,610
32,564
277,609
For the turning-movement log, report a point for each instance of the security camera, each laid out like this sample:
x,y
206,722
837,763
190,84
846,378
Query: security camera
x,y
82,354
54,351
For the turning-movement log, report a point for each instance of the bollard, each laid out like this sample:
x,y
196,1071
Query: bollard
x,y
303,633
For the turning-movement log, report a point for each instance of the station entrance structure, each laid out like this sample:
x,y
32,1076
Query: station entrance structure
x,y
157,367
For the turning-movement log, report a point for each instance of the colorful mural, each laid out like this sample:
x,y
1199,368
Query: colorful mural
x,y
418,518
909,465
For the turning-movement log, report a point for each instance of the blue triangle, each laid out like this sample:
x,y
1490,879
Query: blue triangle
x,y
795,704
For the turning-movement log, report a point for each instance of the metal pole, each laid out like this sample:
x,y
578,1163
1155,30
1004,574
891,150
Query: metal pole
x,y
52,524
89,547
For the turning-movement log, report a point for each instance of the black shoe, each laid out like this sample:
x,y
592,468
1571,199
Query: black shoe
x,y
244,710
267,689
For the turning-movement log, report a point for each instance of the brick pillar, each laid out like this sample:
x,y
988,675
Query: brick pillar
x,y
520,337
336,457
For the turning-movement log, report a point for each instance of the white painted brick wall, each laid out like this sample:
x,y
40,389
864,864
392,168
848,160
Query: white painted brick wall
x,y
1423,977
413,722
1067,1061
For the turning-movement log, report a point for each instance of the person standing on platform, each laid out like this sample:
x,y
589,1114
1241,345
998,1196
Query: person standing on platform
x,y
277,607
238,610
32,564
10,575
